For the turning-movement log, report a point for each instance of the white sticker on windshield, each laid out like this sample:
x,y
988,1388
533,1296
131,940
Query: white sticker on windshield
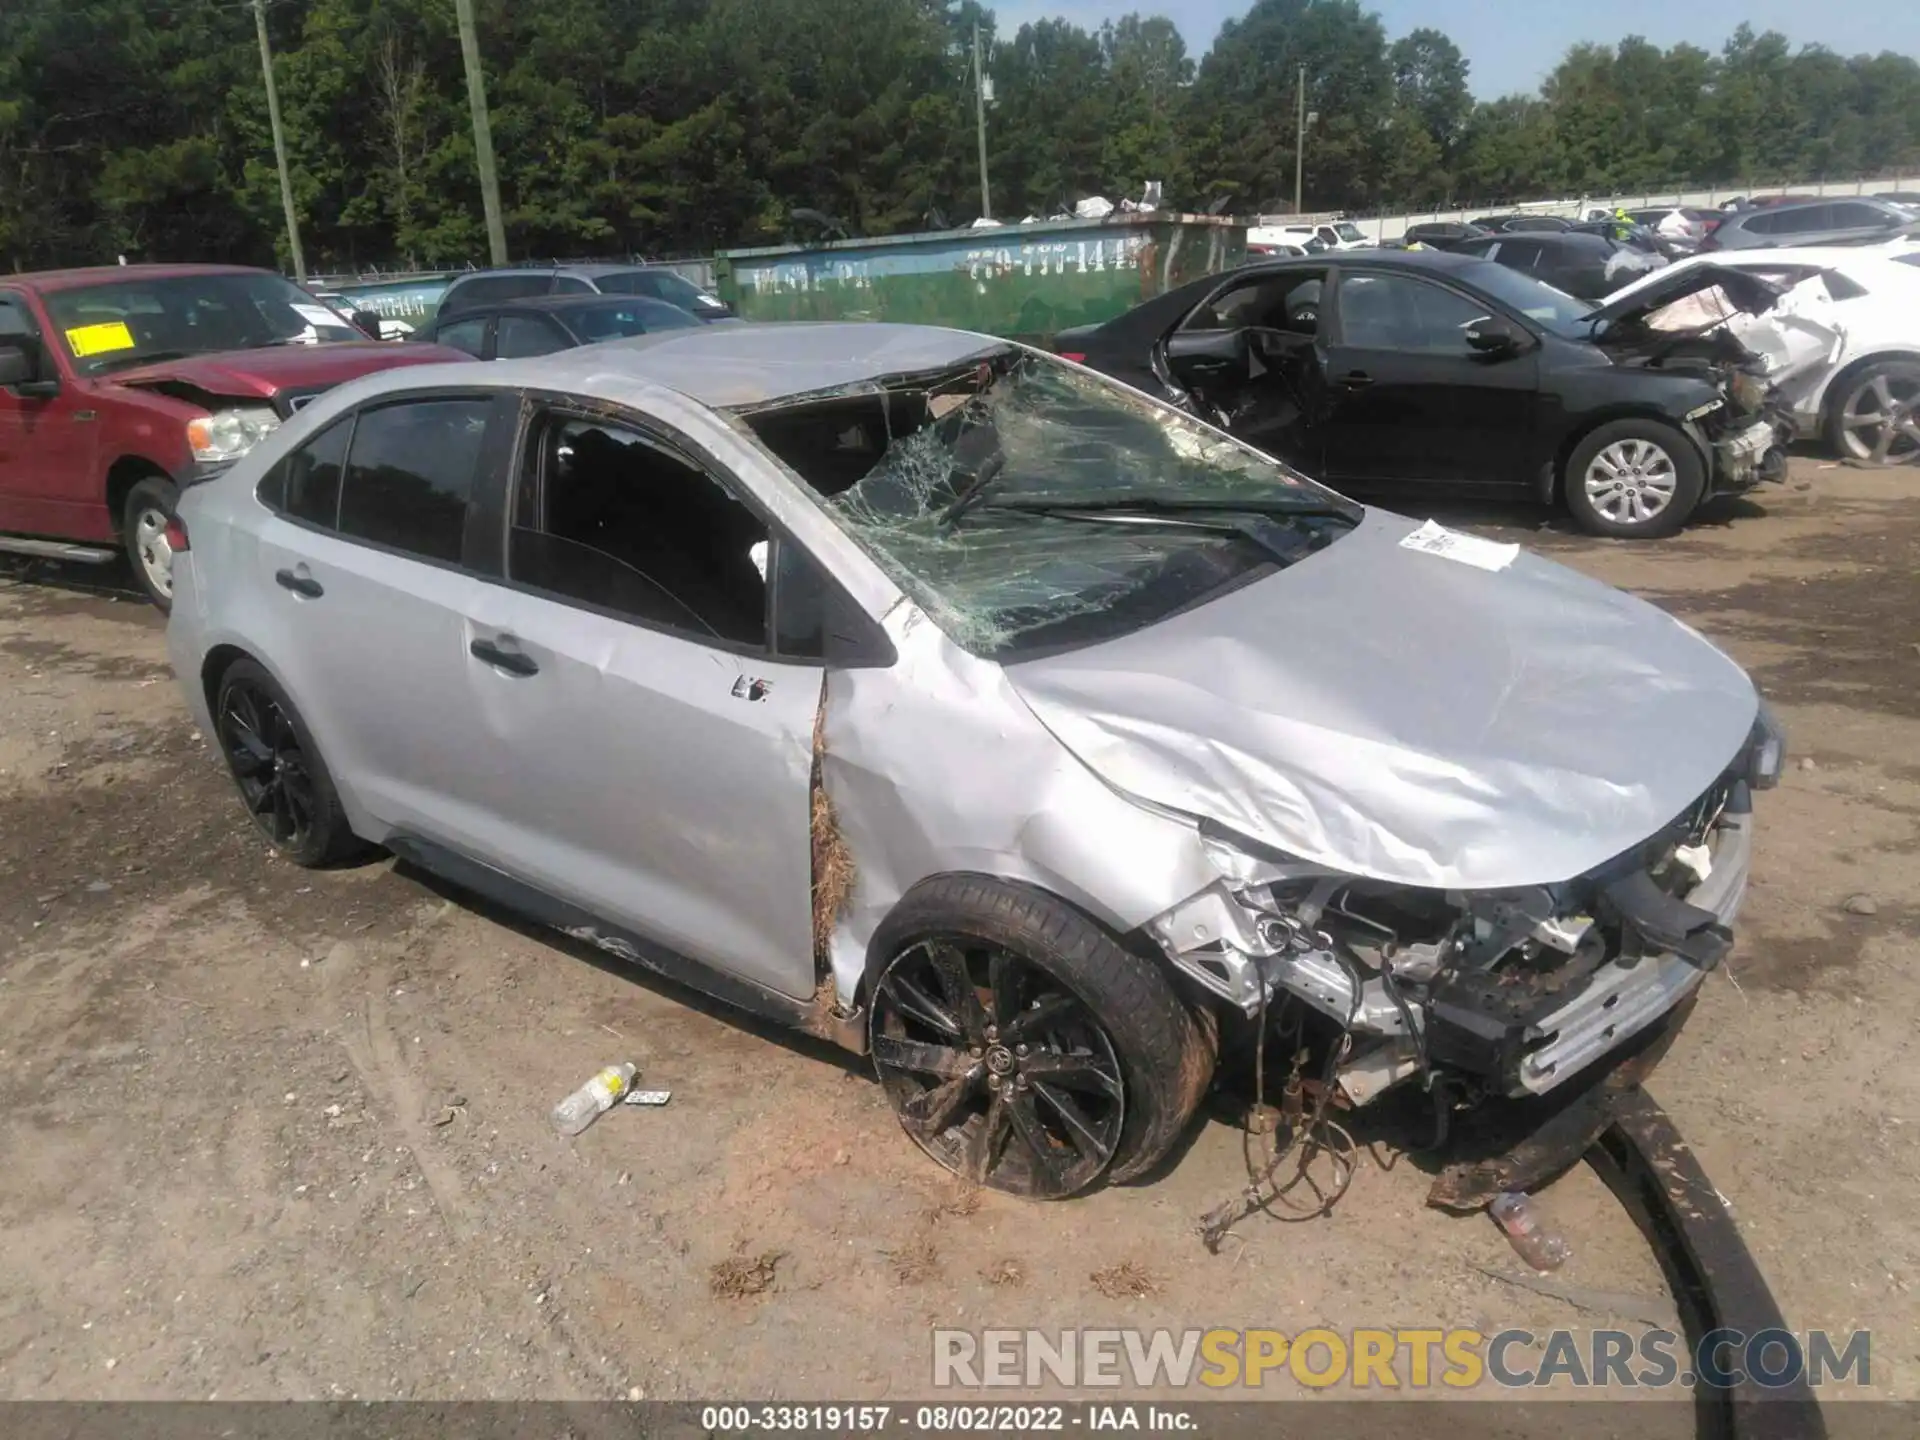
x,y
1433,538
317,315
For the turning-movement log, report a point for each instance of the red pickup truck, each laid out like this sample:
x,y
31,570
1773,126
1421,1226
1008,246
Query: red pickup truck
x,y
118,386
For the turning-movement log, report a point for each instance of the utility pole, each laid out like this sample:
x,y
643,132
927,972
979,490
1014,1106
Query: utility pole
x,y
482,133
1300,141
279,144
980,121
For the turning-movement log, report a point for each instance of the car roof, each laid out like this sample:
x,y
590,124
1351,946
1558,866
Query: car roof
x,y
1821,257
584,271
727,367
559,304
91,275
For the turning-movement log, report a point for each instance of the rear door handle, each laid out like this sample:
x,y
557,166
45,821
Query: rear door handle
x,y
299,584
1356,379
511,661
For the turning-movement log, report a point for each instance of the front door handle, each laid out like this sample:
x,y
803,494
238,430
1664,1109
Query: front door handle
x,y
299,584
511,661
1356,379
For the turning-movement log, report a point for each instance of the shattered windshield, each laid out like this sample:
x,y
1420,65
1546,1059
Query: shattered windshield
x,y
1025,504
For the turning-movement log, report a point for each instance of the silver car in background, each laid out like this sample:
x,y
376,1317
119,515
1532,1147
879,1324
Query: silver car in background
x,y
946,699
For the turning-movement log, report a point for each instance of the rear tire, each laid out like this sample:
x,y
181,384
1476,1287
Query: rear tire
x,y
143,526
1024,1047
1877,406
282,780
1633,480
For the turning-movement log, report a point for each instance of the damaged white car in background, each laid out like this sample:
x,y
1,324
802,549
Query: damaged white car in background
x,y
1841,343
944,698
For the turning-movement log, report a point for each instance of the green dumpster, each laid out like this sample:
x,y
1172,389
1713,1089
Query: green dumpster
x,y
1020,281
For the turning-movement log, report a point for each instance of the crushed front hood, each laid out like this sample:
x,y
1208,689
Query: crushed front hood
x,y
1406,716
1748,292
264,373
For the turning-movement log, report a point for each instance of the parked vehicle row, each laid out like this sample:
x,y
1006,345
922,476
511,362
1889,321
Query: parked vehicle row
x,y
118,386
960,704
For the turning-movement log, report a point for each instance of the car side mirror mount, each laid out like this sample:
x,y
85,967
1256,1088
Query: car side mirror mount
x,y
22,362
1209,347
1494,337
367,323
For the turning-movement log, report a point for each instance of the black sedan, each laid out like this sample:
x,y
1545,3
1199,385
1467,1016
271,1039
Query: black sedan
x,y
1587,266
542,324
1442,234
1392,371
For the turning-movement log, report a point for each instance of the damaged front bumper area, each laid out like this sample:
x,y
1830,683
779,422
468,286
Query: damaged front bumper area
x,y
1750,454
1505,993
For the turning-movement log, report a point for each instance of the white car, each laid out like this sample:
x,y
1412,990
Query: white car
x,y
1843,342
1323,234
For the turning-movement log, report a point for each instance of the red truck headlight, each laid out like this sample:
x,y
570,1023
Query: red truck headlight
x,y
226,435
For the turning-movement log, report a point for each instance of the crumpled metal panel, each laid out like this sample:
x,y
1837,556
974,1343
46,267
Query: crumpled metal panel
x,y
934,765
1405,716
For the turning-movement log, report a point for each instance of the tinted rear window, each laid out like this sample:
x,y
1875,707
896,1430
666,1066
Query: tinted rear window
x,y
410,475
636,316
1854,214
467,293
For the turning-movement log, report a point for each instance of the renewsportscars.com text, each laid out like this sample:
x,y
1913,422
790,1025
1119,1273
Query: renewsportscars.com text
x,y
1397,1359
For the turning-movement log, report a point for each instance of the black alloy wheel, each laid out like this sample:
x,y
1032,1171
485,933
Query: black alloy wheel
x,y
996,1069
269,765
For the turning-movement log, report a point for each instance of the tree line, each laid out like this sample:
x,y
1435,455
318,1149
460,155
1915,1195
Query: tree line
x,y
670,127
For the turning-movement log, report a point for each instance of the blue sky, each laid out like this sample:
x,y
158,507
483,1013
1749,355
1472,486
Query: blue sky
x,y
1512,44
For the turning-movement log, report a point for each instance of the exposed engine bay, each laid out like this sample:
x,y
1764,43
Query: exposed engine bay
x,y
1506,992
1747,430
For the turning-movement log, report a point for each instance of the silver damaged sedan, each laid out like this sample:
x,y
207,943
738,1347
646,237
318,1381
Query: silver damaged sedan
x,y
941,697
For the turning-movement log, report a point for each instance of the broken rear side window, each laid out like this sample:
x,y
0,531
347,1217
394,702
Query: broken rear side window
x,y
1026,505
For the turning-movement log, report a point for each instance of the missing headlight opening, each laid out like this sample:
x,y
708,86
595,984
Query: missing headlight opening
x,y
1507,992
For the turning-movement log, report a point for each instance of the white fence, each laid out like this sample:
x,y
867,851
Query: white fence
x,y
1392,227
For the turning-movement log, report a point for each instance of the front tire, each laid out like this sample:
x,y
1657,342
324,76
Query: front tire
x,y
1875,419
1633,480
282,780
143,524
1022,1046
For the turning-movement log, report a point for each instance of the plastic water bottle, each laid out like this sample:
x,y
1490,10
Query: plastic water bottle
x,y
1532,1240
593,1099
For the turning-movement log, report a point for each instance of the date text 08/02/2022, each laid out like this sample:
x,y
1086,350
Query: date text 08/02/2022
x,y
945,1418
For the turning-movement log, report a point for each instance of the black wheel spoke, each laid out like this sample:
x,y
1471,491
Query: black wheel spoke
x,y
1073,1120
933,1111
262,800
962,998
1007,981
1072,1072
1047,1159
914,1001
983,1148
1051,1010
942,1060
246,747
283,826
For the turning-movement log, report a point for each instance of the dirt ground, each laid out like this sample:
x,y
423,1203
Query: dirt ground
x,y
267,1133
